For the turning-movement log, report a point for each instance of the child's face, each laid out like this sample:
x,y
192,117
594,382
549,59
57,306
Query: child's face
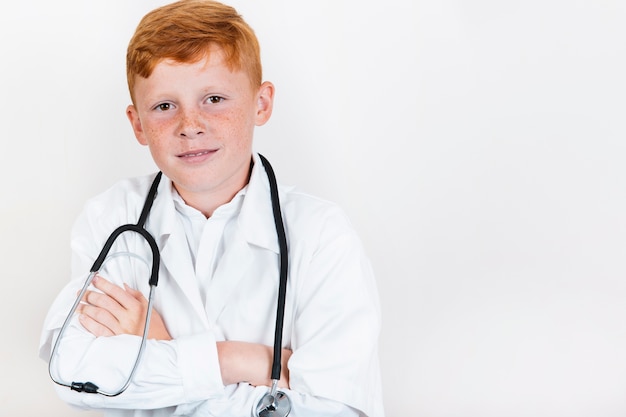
x,y
198,121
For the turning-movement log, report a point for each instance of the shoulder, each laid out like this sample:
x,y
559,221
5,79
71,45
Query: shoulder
x,y
120,203
300,204
312,216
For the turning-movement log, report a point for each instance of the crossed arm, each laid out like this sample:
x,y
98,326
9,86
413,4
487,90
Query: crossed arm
x,y
114,310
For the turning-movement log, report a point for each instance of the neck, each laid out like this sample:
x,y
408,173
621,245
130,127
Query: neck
x,y
207,201
207,204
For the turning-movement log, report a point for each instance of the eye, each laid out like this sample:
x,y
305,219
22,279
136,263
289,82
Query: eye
x,y
163,107
215,99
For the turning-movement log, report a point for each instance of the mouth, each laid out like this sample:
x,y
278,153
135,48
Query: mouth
x,y
196,153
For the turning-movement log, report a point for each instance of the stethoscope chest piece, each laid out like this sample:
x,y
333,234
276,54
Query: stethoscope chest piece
x,y
277,405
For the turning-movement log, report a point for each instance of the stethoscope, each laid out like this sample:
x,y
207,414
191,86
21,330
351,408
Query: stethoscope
x,y
274,402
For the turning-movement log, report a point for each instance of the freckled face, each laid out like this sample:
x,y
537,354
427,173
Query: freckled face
x,y
198,121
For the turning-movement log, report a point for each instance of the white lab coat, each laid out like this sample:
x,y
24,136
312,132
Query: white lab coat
x,y
332,316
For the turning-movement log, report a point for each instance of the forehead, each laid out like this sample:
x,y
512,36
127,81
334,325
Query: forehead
x,y
211,60
211,67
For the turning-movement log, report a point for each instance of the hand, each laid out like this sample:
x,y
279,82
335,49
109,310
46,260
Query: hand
x,y
117,311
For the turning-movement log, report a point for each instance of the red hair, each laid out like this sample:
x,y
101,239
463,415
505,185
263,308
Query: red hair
x,y
185,31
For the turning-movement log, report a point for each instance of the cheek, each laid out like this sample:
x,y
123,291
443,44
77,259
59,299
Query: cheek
x,y
156,132
239,126
230,129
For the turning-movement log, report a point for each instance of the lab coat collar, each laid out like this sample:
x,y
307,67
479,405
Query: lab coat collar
x,y
256,219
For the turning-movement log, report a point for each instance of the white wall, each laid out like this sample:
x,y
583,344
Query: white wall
x,y
478,146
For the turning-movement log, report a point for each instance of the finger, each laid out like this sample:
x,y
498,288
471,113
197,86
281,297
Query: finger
x,y
136,294
94,327
130,316
116,292
103,301
101,316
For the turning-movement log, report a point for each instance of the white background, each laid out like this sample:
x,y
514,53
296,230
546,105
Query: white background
x,y
478,147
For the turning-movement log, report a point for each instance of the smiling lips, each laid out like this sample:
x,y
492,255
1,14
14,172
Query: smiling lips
x,y
196,154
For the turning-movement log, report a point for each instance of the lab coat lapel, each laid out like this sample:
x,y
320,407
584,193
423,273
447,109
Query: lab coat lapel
x,y
234,264
253,229
175,256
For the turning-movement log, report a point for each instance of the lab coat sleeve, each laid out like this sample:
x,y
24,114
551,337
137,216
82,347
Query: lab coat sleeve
x,y
242,399
184,370
175,372
337,323
171,373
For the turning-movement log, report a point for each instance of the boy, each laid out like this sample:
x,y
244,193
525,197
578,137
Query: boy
x,y
195,81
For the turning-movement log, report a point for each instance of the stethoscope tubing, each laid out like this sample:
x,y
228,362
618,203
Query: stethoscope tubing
x,y
274,401
156,257
284,268
90,387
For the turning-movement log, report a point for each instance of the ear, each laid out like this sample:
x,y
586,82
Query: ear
x,y
264,103
135,122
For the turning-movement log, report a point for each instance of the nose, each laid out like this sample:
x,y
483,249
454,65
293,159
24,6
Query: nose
x,y
191,125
